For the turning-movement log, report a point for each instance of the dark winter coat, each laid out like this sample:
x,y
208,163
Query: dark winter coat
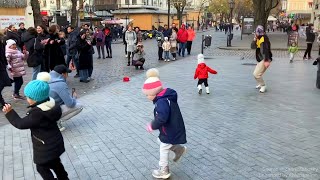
x,y
263,51
14,36
72,43
85,55
4,78
29,41
310,35
168,118
46,137
21,31
42,50
54,51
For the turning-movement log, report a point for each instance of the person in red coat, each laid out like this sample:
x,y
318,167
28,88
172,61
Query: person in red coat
x,y
182,37
202,74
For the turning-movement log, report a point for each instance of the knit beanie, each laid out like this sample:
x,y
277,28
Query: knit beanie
x,y
200,58
259,30
152,86
38,90
10,42
153,72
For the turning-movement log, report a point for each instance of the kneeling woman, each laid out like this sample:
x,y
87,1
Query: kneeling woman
x,y
138,59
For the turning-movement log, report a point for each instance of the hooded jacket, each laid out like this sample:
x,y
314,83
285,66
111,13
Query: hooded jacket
x,y
168,118
59,90
202,71
46,137
191,34
182,34
15,61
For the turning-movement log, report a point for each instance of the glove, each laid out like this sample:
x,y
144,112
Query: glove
x,y
149,128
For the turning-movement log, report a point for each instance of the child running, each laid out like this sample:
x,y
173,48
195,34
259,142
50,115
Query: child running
x,y
202,74
168,119
42,120
293,49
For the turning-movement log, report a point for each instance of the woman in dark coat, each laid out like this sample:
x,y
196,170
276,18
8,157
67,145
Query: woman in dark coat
x,y
41,43
54,51
85,57
4,78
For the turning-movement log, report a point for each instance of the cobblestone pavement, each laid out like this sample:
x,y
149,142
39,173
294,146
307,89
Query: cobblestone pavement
x,y
233,133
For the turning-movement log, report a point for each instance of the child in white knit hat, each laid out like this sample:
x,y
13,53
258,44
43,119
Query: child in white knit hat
x,y
202,74
168,119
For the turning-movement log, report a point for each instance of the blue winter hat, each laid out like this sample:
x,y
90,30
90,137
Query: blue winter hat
x,y
38,90
259,30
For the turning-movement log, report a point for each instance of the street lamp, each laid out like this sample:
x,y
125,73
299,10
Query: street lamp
x,y
230,35
231,5
90,9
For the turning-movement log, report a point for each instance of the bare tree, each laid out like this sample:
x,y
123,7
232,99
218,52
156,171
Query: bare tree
x,y
262,10
36,12
202,5
180,6
74,13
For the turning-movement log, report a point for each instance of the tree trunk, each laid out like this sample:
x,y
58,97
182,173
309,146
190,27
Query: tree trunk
x,y
180,18
74,14
36,12
262,10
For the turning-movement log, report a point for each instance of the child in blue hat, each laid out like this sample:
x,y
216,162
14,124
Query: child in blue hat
x,y
41,119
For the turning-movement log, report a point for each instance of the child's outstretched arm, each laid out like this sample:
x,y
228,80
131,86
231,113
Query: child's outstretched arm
x,y
212,71
162,114
196,74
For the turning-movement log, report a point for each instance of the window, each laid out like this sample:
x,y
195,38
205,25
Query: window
x,y
134,2
127,2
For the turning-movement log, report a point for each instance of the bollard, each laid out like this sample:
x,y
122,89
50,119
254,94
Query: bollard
x,y
206,41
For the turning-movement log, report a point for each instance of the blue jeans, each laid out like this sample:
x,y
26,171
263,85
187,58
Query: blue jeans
x,y
35,71
182,48
84,74
75,60
166,55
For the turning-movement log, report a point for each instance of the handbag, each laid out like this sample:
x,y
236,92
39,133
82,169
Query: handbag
x,y
35,58
253,45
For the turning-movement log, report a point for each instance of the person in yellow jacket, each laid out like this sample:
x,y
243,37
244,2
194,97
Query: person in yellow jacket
x,y
293,49
263,56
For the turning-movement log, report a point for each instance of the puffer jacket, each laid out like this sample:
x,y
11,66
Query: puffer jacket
x,y
15,61
166,46
46,137
202,71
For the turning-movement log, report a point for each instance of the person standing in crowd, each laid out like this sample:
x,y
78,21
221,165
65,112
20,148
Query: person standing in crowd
x,y
173,43
41,119
131,39
191,36
21,31
62,37
160,40
41,46
166,31
12,34
125,42
72,48
139,35
108,41
263,56
310,39
138,58
16,67
54,51
100,39
35,50
4,78
182,38
168,119
166,46
85,57
60,92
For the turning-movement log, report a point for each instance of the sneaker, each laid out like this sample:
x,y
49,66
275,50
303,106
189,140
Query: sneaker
x,y
199,89
174,59
76,76
263,89
305,58
126,55
61,128
18,97
258,86
141,68
309,58
179,151
291,61
90,79
161,173
207,90
168,60
165,60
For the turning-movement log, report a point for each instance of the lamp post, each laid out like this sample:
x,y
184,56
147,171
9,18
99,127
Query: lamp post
x,y
231,5
230,35
90,9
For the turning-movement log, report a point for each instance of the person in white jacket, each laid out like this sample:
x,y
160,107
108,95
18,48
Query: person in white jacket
x,y
166,46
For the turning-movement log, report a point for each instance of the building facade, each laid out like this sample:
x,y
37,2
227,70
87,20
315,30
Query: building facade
x,y
301,10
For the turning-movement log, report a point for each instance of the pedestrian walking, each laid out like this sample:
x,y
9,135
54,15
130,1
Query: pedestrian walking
x,y
182,38
4,78
100,39
15,60
168,119
293,49
72,48
263,56
108,41
310,39
138,58
130,38
191,36
85,57
173,43
166,46
125,42
202,74
41,119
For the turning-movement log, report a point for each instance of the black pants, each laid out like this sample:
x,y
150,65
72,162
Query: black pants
x,y
205,81
18,81
125,48
1,98
140,61
56,166
319,51
108,47
308,50
174,55
160,52
189,45
130,56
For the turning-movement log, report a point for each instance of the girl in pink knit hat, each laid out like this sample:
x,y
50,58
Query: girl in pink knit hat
x,y
168,119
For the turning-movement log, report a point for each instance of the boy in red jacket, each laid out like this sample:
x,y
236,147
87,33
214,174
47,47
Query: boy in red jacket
x,y
202,74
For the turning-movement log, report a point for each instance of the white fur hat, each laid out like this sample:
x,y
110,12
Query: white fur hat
x,y
10,42
200,58
153,72
44,76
